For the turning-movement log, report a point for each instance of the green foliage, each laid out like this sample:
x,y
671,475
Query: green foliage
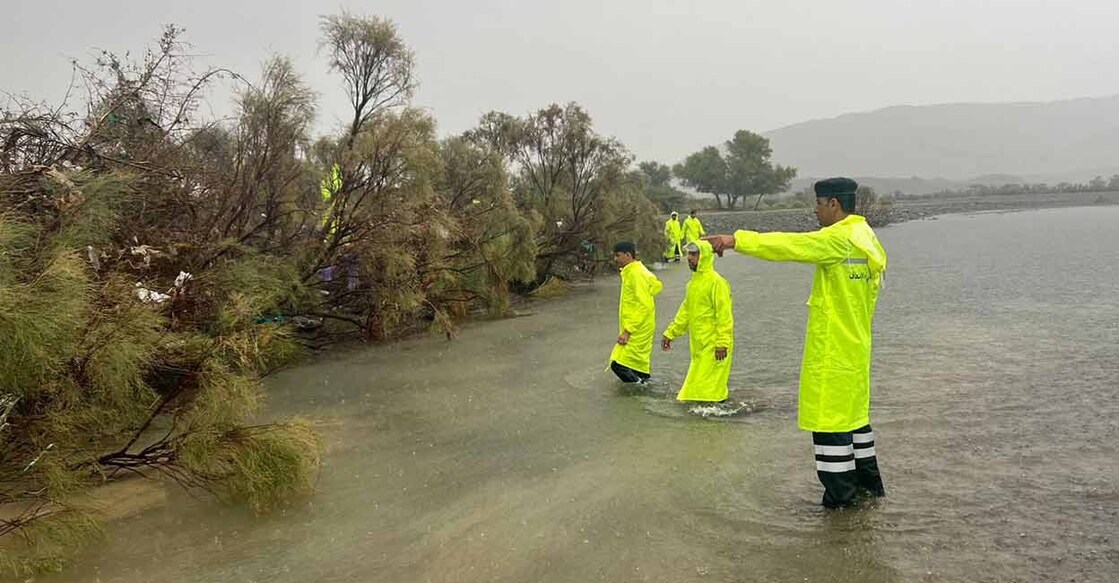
x,y
116,351
656,174
263,467
222,399
44,544
373,60
705,171
42,315
743,171
628,215
153,264
260,466
552,288
492,241
749,170
255,285
876,209
575,180
659,189
93,371
89,206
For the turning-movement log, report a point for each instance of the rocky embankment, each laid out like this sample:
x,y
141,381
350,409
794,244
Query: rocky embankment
x,y
796,220
793,220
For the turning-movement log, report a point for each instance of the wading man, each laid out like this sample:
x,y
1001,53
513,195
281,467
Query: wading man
x,y
637,316
834,397
693,229
706,315
673,236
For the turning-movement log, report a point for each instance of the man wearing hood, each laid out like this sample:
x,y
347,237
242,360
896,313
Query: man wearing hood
x,y
706,315
673,235
637,316
834,396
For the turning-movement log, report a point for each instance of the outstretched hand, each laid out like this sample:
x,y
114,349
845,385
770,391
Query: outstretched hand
x,y
720,243
666,343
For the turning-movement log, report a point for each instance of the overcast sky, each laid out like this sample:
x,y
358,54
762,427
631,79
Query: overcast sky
x,y
666,78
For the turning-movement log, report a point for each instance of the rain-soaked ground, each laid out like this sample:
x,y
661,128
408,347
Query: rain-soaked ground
x,y
509,454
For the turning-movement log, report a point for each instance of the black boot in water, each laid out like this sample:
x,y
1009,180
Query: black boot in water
x,y
835,466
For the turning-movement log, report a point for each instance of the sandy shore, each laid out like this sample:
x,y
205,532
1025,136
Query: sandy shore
x,y
904,210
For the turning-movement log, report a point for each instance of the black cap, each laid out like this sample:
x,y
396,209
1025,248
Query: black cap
x,y
835,187
625,247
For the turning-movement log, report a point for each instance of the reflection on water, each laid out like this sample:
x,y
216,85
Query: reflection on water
x,y
510,455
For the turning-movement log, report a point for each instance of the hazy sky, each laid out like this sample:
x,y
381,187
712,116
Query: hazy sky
x,y
664,77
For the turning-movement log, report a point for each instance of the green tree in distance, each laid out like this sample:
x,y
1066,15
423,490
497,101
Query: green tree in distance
x,y
744,170
659,188
705,171
750,171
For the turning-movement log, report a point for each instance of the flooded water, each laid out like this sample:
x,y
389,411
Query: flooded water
x,y
509,454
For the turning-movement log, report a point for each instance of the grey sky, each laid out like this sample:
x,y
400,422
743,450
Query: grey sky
x,y
664,77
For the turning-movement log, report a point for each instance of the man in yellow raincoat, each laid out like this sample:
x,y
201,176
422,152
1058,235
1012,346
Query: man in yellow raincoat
x,y
834,399
706,315
637,316
673,235
693,229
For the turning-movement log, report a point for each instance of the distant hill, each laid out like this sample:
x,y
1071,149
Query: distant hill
x,y
1037,142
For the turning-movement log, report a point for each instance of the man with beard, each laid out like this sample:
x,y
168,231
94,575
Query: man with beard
x,y
706,315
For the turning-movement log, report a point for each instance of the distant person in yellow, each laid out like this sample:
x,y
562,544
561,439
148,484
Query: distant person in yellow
x,y
693,229
706,315
834,399
673,235
637,316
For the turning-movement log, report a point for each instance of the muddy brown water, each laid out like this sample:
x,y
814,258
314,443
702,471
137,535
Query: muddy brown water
x,y
509,454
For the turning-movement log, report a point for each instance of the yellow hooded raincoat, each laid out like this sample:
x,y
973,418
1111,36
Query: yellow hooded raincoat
x,y
706,315
637,315
835,372
693,230
673,237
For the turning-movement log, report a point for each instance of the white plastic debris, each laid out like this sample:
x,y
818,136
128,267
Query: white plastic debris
x,y
149,296
182,279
